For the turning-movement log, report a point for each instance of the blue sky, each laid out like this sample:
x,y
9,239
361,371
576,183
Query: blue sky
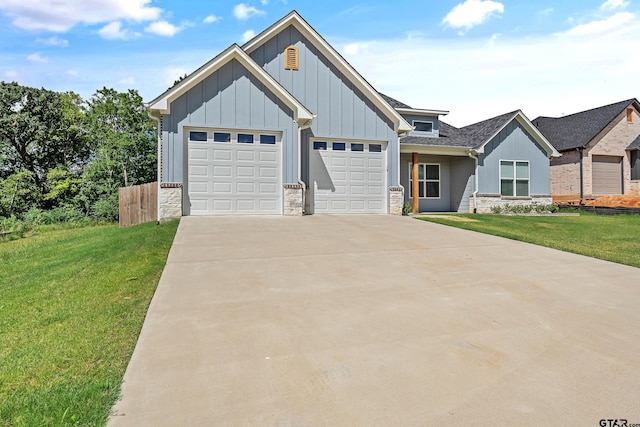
x,y
475,58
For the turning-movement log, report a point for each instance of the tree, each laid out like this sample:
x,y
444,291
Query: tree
x,y
39,130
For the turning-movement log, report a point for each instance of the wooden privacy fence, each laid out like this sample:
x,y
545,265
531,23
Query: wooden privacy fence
x,y
138,204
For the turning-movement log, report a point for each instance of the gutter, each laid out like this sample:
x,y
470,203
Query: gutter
x,y
581,151
307,125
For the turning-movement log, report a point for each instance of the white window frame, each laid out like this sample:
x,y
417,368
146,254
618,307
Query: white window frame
x,y
425,180
514,179
423,121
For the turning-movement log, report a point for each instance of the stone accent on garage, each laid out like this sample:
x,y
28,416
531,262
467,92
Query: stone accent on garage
x,y
170,196
396,200
484,202
293,199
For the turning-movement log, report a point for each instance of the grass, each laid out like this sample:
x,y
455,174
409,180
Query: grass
x,y
613,238
72,302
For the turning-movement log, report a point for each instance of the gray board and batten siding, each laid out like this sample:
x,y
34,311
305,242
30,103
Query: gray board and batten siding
x,y
230,98
342,110
513,143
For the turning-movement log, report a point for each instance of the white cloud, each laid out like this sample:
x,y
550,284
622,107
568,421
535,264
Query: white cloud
x,y
163,28
614,4
53,41
72,73
114,31
127,81
37,57
547,11
11,74
471,13
248,35
211,19
542,76
601,26
62,15
243,12
264,2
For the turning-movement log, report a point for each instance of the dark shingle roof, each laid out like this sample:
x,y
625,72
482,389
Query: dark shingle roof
x,y
635,145
472,136
393,102
577,130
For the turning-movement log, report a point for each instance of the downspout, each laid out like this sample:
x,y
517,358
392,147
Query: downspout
x,y
300,181
159,160
475,181
580,150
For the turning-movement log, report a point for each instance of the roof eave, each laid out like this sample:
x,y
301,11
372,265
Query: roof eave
x,y
421,111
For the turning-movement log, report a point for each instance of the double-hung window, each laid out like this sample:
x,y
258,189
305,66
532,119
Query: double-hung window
x,y
635,165
514,178
428,180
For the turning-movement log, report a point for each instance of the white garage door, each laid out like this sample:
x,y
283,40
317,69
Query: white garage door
x,y
234,172
607,174
348,177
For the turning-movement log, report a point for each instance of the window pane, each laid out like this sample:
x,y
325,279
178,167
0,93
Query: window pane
x,y
267,139
421,172
423,126
375,148
635,165
433,172
506,187
198,136
245,138
522,170
522,188
421,189
357,147
338,146
433,189
221,137
506,169
318,145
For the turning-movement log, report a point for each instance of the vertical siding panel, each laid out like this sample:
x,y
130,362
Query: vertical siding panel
x,y
370,121
298,77
359,115
335,100
310,71
227,95
257,104
271,111
322,125
212,100
243,96
346,106
195,100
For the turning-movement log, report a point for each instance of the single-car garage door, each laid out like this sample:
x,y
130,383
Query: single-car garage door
x,y
234,172
607,174
348,176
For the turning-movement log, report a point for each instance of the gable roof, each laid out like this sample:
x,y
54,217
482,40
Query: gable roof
x,y
403,108
635,144
578,130
295,20
476,136
162,104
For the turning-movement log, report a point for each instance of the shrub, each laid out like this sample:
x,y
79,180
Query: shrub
x,y
406,208
496,209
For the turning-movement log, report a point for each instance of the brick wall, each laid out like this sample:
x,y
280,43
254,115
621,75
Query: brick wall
x,y
565,174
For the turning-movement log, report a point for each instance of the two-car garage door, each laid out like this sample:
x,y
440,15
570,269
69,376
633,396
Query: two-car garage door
x,y
234,172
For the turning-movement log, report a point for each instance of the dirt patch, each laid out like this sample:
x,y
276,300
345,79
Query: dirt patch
x,y
614,202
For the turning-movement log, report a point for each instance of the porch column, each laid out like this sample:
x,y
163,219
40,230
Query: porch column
x,y
415,195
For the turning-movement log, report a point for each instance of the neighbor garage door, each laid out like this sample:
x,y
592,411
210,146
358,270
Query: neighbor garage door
x,y
234,172
348,177
607,175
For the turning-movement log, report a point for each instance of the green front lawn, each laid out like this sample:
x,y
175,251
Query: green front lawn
x,y
610,237
72,303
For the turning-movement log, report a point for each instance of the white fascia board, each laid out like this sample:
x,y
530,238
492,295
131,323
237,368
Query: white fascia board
x,y
162,104
436,150
400,124
529,127
422,112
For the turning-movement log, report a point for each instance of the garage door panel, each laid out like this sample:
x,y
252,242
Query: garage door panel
x,y
231,177
349,181
606,175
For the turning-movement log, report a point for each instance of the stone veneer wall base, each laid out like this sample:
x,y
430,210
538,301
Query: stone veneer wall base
x,y
396,200
170,196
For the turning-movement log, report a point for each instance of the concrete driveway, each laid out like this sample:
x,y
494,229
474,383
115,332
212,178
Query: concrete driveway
x,y
380,320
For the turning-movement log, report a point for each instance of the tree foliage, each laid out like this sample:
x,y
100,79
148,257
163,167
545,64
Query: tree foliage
x,y
60,151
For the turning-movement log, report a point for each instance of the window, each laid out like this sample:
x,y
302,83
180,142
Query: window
x,y
635,165
319,145
245,138
338,146
291,58
375,148
357,147
629,115
423,126
267,139
428,180
198,136
221,137
514,178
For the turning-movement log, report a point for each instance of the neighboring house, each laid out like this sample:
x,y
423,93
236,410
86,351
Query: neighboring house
x,y
599,151
284,125
499,161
